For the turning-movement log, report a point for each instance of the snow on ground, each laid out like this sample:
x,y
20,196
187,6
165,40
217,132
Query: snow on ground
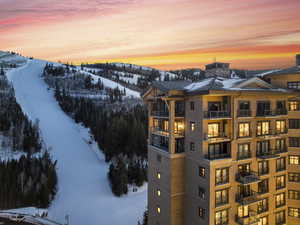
x,y
83,189
111,84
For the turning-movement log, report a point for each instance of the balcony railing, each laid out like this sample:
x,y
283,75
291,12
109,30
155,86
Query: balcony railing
x,y
273,133
247,177
279,112
248,220
271,153
216,114
244,113
218,156
220,136
244,155
276,112
160,113
160,131
247,198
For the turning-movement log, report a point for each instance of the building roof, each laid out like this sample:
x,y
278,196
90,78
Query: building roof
x,y
171,85
219,83
291,70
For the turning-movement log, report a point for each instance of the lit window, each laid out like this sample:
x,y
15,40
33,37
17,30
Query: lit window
x,y
294,160
280,200
201,171
158,210
158,175
280,182
263,221
294,85
244,129
213,130
294,106
221,217
201,212
192,126
158,192
280,126
263,128
294,212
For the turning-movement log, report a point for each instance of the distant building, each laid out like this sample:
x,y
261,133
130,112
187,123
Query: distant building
x,y
225,151
298,60
217,69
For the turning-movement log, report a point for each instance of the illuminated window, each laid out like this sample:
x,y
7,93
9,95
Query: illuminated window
x,y
263,128
222,176
280,182
158,210
280,200
222,197
263,221
294,160
201,212
294,106
158,192
280,126
294,212
158,175
201,171
244,129
179,127
192,126
221,217
243,211
213,130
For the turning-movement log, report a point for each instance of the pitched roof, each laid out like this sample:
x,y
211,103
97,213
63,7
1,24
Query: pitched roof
x,y
171,85
291,70
218,83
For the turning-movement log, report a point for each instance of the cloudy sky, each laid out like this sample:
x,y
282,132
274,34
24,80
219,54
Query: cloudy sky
x,y
166,34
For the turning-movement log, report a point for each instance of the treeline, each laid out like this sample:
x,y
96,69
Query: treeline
x,y
19,132
28,181
31,179
69,79
120,133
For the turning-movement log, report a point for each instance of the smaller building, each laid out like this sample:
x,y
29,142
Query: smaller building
x,y
217,69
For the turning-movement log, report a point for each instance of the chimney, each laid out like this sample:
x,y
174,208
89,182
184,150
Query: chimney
x,y
298,60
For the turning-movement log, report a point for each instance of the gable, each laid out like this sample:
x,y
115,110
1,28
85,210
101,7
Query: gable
x,y
254,83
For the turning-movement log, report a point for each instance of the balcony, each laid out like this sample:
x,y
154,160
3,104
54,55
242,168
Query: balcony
x,y
248,220
244,113
281,112
222,136
162,132
160,113
218,156
267,113
272,133
271,153
247,177
247,198
244,155
216,114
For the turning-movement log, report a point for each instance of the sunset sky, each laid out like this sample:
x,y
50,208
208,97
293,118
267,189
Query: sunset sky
x,y
166,34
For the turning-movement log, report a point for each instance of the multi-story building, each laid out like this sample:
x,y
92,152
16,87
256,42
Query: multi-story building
x,y
225,151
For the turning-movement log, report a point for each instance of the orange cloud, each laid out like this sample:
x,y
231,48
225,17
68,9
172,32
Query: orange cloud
x,y
162,33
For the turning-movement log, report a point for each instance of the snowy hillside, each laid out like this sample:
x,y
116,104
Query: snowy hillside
x,y
83,189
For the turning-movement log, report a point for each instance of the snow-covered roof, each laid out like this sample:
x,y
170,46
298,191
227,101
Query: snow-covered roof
x,y
219,83
291,70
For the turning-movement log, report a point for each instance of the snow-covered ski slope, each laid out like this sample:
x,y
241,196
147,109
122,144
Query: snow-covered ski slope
x,y
84,193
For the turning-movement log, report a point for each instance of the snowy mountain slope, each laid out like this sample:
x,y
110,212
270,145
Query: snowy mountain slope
x,y
111,84
83,189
